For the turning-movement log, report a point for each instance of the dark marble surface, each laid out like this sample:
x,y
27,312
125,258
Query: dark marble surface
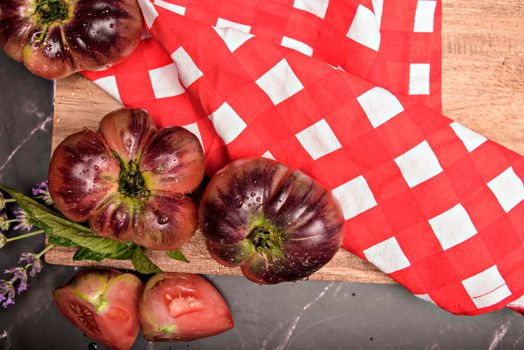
x,y
303,315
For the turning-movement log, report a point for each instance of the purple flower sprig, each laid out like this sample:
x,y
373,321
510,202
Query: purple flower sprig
x,y
4,201
23,220
41,191
19,276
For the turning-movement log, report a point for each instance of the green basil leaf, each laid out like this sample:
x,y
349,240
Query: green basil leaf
x,y
125,252
142,263
177,255
86,254
62,242
55,225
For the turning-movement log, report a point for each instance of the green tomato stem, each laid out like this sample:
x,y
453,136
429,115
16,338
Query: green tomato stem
x,y
30,234
51,11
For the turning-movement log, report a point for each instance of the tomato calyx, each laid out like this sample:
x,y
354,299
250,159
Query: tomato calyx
x,y
266,239
131,182
51,11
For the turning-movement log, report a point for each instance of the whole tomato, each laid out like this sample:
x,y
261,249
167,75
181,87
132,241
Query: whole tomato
x,y
130,180
277,224
182,306
55,38
103,305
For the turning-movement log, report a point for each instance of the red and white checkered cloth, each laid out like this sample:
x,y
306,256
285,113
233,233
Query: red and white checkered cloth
x,y
349,92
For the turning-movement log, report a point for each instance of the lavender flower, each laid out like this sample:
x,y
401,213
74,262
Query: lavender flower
x,y
33,261
7,293
4,222
23,220
42,189
33,265
19,274
2,201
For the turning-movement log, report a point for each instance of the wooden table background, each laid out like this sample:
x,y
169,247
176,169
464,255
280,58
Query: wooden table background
x,y
483,88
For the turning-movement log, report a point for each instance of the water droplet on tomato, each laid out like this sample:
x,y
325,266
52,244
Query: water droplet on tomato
x,y
253,194
162,219
129,142
111,26
58,55
258,199
92,346
96,167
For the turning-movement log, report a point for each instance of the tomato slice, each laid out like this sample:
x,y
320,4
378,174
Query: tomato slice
x,y
102,304
182,306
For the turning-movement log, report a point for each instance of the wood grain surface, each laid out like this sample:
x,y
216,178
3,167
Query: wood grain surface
x,y
483,87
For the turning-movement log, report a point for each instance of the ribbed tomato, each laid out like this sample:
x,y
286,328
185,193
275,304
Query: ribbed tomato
x,y
277,224
55,38
182,306
130,180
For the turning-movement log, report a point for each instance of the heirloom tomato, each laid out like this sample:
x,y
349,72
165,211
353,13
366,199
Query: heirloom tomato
x,y
55,38
130,180
276,223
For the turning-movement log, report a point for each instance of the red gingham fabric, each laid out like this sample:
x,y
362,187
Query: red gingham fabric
x,y
349,92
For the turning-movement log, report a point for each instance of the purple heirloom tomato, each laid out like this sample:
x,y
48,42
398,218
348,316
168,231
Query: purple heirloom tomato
x,y
277,224
130,180
55,38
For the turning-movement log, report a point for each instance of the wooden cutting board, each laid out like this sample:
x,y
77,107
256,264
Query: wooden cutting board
x,y
483,87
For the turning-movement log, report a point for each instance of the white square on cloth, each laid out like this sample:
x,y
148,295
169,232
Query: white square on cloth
x,y
318,139
508,188
316,7
109,85
419,78
232,37
148,11
487,288
164,81
419,164
224,23
297,45
193,127
380,105
453,227
364,28
469,138
188,71
181,10
355,197
279,82
425,16
387,256
227,123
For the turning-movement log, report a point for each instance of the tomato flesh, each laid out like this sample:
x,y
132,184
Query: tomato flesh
x,y
182,306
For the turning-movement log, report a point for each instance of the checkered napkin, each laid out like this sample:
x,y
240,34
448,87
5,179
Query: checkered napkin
x,y
349,92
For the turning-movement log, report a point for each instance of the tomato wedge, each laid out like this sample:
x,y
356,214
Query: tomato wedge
x,y
182,306
102,304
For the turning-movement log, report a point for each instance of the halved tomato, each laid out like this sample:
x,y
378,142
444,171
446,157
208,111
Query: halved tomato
x,y
102,304
182,306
